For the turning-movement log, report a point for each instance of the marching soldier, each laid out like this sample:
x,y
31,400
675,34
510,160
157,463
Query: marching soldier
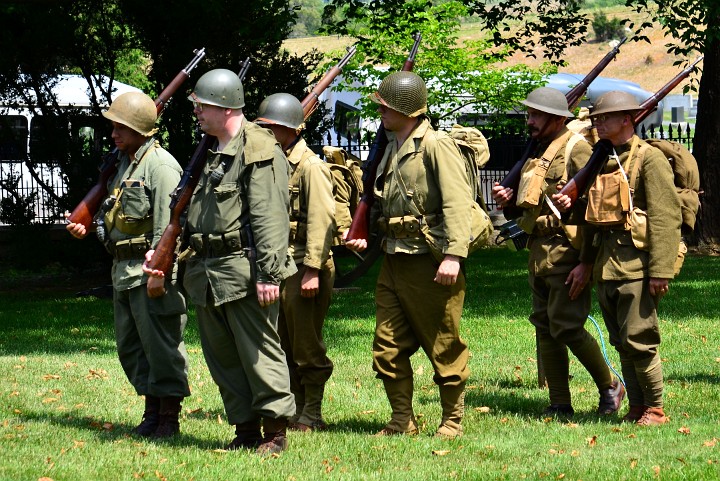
x,y
148,331
559,264
237,229
635,206
305,296
421,181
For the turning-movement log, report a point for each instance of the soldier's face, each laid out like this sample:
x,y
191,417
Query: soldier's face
x,y
610,125
210,117
126,139
542,124
392,120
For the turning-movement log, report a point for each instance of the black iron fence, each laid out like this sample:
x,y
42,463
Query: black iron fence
x,y
20,188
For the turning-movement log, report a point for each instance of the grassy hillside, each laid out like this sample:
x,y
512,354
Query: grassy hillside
x,y
647,64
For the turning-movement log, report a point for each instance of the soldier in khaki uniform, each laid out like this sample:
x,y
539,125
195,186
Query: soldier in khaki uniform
x,y
634,265
305,296
559,264
421,180
149,332
237,229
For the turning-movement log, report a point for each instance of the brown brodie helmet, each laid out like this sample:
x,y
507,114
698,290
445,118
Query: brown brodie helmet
x,y
281,109
135,110
404,92
548,100
615,101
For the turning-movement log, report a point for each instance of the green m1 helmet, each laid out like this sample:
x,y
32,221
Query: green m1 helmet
x,y
135,110
548,100
281,109
219,87
402,91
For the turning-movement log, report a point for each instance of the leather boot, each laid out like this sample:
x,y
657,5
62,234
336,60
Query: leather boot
x,y
611,398
247,436
452,399
634,413
169,424
311,417
652,416
400,393
150,417
274,441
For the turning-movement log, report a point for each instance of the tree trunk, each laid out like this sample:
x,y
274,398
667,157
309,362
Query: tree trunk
x,y
707,146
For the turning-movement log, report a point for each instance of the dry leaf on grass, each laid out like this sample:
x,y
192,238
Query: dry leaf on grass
x,y
592,441
483,409
684,430
441,452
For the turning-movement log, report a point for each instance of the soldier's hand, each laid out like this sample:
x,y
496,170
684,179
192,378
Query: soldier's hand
x,y
267,293
659,287
562,202
310,284
447,273
502,195
156,278
578,279
76,230
356,245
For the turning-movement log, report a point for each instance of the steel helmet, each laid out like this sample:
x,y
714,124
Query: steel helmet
x,y
281,109
548,100
135,110
404,92
220,87
615,101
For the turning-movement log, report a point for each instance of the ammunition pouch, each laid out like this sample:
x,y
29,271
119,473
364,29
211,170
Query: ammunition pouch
x,y
131,249
404,227
609,200
217,245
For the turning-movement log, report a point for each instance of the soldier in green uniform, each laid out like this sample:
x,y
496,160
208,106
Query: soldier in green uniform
x,y
305,296
149,332
237,230
559,263
421,180
637,249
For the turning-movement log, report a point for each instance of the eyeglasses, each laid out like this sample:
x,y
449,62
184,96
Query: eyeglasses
x,y
604,117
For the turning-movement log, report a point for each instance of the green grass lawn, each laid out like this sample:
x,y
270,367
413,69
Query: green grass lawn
x,y
68,410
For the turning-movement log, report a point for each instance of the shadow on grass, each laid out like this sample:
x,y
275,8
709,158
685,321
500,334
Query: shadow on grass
x,y
107,431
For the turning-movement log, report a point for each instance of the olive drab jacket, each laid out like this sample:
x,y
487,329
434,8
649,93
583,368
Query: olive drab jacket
x,y
252,191
550,249
312,207
431,174
147,182
655,193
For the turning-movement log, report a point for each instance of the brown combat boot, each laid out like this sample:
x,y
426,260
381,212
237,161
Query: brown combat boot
x,y
247,436
275,440
634,413
452,399
611,398
400,393
151,417
311,417
169,423
652,417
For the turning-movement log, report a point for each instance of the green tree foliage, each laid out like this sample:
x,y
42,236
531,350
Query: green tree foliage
x,y
309,17
607,29
458,74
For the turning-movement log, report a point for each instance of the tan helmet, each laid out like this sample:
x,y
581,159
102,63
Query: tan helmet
x,y
220,87
135,110
404,92
548,100
615,101
281,109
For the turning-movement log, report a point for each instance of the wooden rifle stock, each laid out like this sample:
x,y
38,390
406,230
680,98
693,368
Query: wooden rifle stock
x,y
310,102
85,211
578,185
164,256
512,179
360,226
